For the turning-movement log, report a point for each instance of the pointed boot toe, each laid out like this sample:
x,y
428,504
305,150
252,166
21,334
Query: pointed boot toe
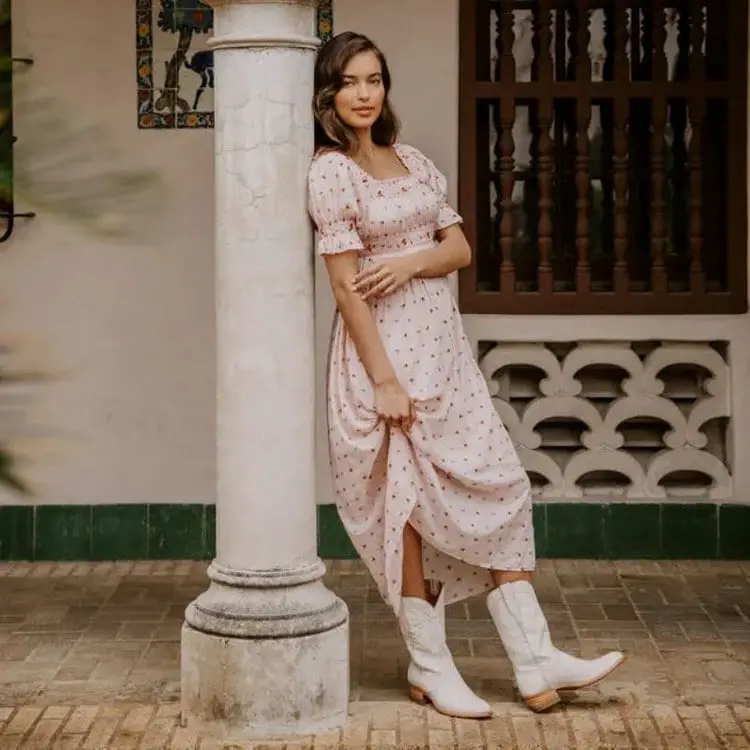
x,y
541,670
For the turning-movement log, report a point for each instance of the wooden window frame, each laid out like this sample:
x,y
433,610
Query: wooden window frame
x,y
621,299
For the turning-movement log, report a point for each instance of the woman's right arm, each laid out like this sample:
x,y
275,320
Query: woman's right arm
x,y
342,268
392,402
335,209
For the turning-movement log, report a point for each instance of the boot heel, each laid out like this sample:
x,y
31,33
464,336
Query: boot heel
x,y
418,696
543,701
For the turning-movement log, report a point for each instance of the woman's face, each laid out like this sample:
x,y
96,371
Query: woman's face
x,y
359,102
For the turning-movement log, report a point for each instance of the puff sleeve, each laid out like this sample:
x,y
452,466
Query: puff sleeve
x,y
333,205
436,179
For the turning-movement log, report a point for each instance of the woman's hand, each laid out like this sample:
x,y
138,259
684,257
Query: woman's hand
x,y
381,279
393,405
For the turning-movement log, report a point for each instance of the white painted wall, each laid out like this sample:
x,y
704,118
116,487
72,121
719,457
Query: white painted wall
x,y
124,331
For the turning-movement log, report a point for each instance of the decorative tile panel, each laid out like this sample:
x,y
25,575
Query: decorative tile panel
x,y
174,65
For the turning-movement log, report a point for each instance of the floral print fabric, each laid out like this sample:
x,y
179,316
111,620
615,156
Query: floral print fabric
x,y
455,475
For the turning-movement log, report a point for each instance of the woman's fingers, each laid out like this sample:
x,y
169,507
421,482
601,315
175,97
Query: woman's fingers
x,y
408,419
364,288
377,281
404,421
369,276
389,289
365,273
377,289
401,415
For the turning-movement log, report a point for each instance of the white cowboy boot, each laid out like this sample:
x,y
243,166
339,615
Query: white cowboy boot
x,y
433,676
541,669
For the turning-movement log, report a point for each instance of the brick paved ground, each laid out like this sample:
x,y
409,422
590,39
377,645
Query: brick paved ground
x,y
89,660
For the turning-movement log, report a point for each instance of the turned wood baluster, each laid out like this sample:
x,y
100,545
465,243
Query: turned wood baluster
x,y
546,161
546,165
620,155
678,151
620,27
695,154
543,27
659,279
507,182
561,67
682,65
658,178
697,59
505,151
716,40
506,38
695,162
636,56
583,159
620,160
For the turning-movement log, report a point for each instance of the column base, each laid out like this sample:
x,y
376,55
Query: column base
x,y
242,689
265,654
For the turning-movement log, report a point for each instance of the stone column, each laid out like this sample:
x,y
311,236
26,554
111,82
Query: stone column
x,y
265,648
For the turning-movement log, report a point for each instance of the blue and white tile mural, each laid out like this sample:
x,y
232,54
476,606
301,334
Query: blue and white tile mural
x,y
175,67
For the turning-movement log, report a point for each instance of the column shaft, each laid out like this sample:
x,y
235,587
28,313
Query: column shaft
x,y
265,648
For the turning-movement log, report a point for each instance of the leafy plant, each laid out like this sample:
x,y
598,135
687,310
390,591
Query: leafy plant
x,y
62,167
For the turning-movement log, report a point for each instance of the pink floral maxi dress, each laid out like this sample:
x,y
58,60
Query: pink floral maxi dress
x,y
455,475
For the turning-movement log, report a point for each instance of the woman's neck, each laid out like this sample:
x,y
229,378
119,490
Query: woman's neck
x,y
365,146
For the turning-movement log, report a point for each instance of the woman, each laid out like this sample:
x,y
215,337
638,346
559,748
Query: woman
x,y
428,484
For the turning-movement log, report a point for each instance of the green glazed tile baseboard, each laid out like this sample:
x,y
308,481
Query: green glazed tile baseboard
x,y
107,532
563,530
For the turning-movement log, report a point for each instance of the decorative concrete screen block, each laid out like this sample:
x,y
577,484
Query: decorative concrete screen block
x,y
647,420
175,66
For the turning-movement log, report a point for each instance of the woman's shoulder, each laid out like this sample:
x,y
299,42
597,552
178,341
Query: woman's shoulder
x,y
331,182
330,166
409,150
412,152
329,158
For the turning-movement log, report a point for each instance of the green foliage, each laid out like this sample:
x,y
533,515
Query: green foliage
x,y
9,477
63,167
6,129
77,172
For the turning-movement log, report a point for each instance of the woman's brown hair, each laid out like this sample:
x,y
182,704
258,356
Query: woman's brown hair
x,y
330,131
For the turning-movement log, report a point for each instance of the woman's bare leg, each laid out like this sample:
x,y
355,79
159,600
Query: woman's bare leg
x,y
413,582
501,577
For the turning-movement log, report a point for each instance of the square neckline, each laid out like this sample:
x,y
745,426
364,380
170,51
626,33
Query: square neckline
x,y
400,155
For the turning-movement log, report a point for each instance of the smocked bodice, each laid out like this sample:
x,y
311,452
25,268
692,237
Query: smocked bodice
x,y
354,211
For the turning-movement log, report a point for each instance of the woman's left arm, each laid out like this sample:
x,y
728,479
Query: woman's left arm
x,y
450,254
